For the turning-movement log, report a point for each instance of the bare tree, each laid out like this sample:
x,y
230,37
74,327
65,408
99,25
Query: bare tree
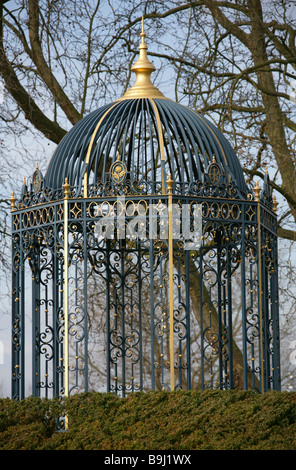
x,y
232,60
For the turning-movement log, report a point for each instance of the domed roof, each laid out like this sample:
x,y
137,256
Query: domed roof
x,y
150,136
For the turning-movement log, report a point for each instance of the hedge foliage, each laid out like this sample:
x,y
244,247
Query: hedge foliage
x,y
211,420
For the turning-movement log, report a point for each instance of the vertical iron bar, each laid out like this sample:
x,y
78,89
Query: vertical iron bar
x,y
108,355
66,188
219,316
15,321
55,309
85,258
140,317
260,293
265,321
151,261
201,319
243,288
188,331
171,281
22,292
35,322
275,319
229,307
123,364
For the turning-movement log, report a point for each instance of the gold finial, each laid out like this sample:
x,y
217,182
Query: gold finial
x,y
66,188
275,204
143,62
170,183
257,191
143,87
12,201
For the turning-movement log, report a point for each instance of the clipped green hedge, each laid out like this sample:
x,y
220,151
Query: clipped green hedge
x,y
211,420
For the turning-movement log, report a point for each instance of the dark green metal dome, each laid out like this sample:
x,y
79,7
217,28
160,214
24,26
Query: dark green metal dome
x,y
152,137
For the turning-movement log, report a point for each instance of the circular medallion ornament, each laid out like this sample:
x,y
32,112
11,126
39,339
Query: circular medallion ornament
x,y
214,173
37,180
118,171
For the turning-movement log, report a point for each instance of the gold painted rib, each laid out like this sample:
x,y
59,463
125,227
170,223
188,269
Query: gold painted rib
x,y
91,145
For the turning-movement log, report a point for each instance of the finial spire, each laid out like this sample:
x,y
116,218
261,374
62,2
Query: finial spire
x,y
143,87
12,201
257,191
143,63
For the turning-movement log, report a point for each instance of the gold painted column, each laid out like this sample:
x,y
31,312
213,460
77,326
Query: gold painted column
x,y
171,279
66,188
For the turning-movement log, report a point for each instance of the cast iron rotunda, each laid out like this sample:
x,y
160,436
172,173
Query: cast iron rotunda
x,y
141,260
